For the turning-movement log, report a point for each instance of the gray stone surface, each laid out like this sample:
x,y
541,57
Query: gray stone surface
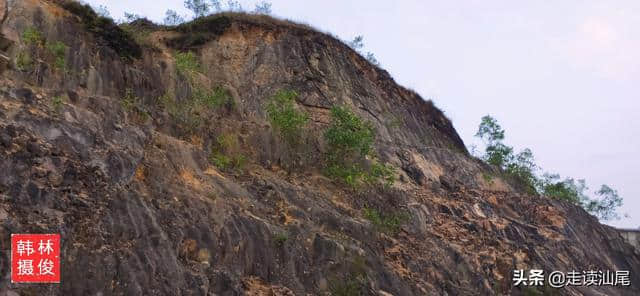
x,y
632,236
142,210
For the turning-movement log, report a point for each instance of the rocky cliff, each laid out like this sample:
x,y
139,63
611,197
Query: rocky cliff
x,y
100,141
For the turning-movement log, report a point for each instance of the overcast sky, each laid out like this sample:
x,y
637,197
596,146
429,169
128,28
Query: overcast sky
x,y
561,77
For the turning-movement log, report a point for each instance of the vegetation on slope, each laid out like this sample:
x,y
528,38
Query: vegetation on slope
x,y
523,169
285,117
350,156
105,29
38,47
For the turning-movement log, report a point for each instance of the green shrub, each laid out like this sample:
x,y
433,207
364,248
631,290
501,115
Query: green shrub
x,y
354,281
57,103
225,153
224,162
129,101
352,286
348,134
350,140
184,113
58,50
487,178
238,161
187,63
226,142
352,175
522,168
220,160
191,114
355,175
605,206
388,223
24,62
31,36
280,238
379,172
285,117
214,98
568,190
169,104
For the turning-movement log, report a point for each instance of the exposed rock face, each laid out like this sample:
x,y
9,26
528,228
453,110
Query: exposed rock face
x,y
632,236
142,211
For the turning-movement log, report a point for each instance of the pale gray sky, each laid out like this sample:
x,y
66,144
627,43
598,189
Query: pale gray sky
x,y
561,77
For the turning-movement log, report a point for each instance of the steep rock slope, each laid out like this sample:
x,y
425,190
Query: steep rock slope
x,y
94,151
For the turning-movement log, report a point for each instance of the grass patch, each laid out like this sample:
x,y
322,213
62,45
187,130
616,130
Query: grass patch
x,y
131,103
380,173
488,178
192,114
280,238
24,62
389,223
224,162
187,63
36,41
354,283
129,100
183,113
352,286
31,36
57,103
215,98
58,49
285,117
225,153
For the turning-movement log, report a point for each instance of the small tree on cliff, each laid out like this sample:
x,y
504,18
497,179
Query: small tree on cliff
x,y
605,207
263,7
358,44
172,18
492,133
102,11
522,167
199,7
233,5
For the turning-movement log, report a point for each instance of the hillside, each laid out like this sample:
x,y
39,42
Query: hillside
x,y
156,192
